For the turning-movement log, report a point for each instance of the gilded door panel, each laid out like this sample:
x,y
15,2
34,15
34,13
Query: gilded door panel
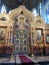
x,y
21,42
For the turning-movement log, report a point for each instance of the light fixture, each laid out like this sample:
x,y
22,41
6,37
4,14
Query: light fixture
x,y
3,9
34,12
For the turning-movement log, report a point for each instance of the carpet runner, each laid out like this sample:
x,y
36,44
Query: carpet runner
x,y
23,59
18,59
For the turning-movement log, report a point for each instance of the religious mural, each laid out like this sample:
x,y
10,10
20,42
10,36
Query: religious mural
x,y
47,38
2,35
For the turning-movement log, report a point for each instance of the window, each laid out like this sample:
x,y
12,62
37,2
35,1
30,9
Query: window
x,y
21,12
3,18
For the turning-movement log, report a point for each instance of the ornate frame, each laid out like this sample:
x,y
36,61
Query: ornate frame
x,y
47,38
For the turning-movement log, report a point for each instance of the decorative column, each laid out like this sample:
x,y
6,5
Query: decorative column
x,y
34,36
44,36
44,42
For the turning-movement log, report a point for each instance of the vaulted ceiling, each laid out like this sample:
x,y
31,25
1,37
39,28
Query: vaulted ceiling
x,y
11,4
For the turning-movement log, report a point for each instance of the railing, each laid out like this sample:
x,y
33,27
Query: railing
x,y
41,50
6,50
